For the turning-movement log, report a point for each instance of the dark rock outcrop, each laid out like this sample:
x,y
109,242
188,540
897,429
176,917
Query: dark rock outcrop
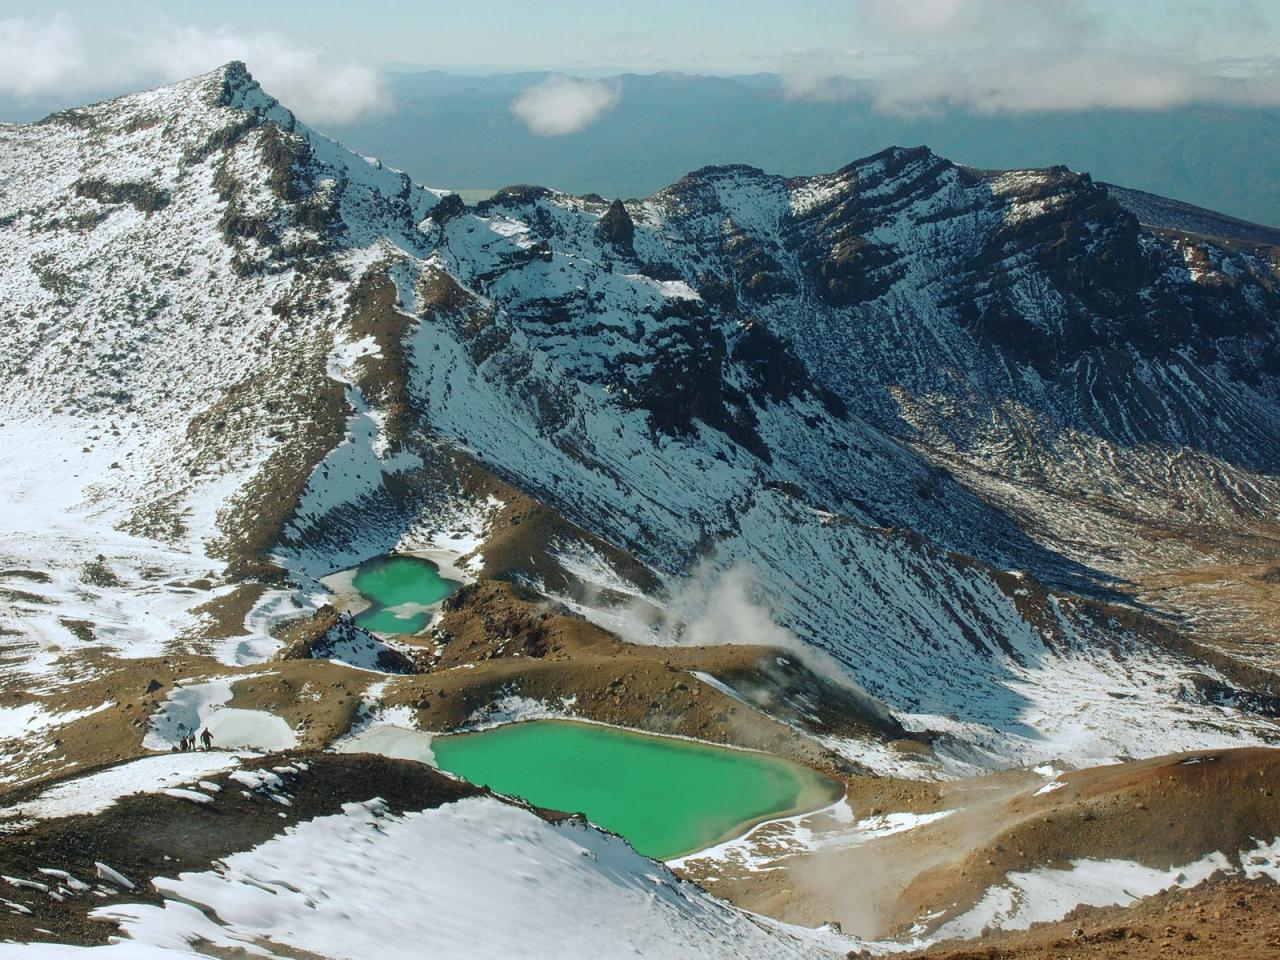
x,y
617,229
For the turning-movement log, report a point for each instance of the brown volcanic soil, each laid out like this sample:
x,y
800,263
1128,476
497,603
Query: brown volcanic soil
x,y
149,835
1233,605
1162,813
318,698
861,885
495,640
1227,919
88,681
499,640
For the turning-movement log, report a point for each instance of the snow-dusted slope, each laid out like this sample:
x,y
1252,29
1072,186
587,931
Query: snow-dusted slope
x,y
475,878
1163,213
147,373
440,869
241,358
1112,388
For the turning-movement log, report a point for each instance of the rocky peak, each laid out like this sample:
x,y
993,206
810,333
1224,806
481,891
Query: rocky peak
x,y
713,188
238,90
514,196
617,228
235,79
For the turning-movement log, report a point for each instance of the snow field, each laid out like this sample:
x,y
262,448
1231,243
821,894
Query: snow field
x,y
195,707
95,792
468,880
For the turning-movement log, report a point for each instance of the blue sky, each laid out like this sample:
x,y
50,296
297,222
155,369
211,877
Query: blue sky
x,y
700,36
706,36
327,56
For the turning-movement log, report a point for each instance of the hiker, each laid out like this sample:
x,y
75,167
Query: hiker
x,y
182,744
206,738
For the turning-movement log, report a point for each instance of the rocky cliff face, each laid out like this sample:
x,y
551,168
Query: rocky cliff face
x,y
250,358
1026,332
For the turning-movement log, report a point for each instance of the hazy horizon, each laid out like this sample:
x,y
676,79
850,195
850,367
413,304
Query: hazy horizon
x,y
1178,98
460,132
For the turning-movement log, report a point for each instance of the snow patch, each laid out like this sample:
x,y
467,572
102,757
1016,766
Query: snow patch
x,y
358,884
199,706
1047,894
95,792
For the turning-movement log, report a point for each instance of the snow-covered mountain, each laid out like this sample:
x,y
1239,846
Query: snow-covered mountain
x,y
949,426
991,455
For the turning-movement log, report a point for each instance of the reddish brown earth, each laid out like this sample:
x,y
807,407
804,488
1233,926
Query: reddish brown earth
x,y
1220,919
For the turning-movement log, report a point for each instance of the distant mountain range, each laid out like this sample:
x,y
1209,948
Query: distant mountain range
x,y
459,130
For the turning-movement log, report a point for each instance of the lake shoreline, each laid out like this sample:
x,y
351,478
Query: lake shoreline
x,y
704,779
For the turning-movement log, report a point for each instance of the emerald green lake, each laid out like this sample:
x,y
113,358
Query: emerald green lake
x,y
668,797
385,621
398,588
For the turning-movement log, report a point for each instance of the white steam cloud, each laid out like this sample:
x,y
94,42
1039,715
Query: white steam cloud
x,y
713,608
560,104
717,607
54,57
1018,56
720,607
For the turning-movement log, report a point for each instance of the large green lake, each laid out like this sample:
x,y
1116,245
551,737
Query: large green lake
x,y
668,797
398,587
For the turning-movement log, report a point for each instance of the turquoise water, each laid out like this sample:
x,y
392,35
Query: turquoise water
x,y
380,620
390,582
668,797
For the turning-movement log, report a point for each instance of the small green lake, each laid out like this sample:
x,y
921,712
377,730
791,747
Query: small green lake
x,y
399,588
668,797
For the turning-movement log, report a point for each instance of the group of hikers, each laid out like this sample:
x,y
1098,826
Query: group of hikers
x,y
188,740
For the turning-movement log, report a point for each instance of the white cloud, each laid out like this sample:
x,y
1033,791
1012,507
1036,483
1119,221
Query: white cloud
x,y
317,89
1021,82
987,22
560,105
1015,56
817,75
37,58
56,58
